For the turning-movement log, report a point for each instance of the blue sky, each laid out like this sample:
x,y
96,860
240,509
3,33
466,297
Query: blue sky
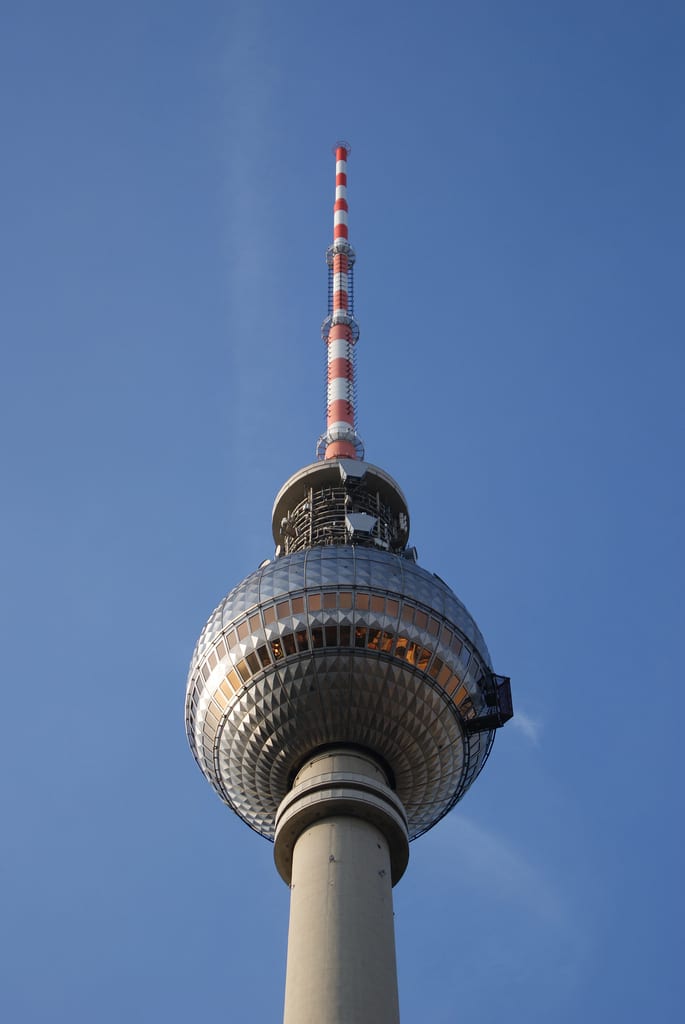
x,y
517,209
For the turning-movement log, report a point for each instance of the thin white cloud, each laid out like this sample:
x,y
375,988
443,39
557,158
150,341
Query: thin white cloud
x,y
531,728
493,862
547,919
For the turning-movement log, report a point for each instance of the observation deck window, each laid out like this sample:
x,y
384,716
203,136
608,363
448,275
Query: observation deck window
x,y
317,637
263,653
277,648
302,639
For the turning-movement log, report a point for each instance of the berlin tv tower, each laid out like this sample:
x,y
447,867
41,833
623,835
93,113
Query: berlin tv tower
x,y
341,699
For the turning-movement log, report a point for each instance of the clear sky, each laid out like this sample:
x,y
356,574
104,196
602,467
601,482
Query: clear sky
x,y
516,192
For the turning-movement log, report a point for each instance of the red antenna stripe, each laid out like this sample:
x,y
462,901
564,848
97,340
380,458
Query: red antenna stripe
x,y
340,332
340,368
341,410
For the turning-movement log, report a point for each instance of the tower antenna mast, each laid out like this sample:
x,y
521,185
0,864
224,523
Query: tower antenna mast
x,y
340,330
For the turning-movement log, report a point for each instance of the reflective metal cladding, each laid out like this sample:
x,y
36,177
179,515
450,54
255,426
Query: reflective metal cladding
x,y
335,644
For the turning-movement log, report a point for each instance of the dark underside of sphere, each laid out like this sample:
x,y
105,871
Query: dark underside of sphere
x,y
340,644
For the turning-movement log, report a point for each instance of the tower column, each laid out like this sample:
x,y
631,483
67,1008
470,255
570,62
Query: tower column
x,y
341,844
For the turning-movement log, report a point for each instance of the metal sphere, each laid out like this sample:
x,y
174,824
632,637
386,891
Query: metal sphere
x,y
340,644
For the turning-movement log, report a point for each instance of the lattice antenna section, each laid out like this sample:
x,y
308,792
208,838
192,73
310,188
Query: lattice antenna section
x,y
340,331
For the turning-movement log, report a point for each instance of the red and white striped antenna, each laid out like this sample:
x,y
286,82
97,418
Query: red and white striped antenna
x,y
340,331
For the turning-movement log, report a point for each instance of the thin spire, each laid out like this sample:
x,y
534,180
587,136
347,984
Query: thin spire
x,y
340,330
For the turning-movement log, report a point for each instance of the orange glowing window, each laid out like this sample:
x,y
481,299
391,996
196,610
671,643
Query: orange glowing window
x,y
359,637
361,601
386,642
444,675
436,667
277,648
422,658
374,639
314,602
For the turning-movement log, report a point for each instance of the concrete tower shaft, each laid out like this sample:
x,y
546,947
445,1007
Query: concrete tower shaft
x,y
341,844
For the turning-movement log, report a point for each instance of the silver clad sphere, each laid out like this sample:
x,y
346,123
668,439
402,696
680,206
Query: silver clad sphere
x,y
339,644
